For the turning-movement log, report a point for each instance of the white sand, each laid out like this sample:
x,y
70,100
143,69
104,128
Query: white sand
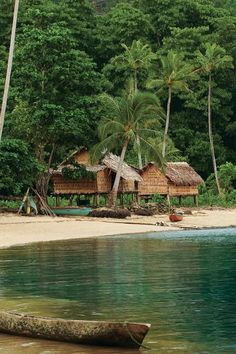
x,y
17,230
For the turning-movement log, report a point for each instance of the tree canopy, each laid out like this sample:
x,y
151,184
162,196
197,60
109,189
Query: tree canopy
x,y
68,52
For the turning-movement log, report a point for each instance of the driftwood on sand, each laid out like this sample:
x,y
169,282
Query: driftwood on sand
x,y
83,332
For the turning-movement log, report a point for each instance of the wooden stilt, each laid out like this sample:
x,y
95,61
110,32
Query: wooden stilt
x,y
168,199
180,200
58,200
97,200
71,200
138,199
78,200
122,199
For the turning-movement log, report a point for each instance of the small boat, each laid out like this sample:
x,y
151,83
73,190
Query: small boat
x,y
117,334
176,217
72,211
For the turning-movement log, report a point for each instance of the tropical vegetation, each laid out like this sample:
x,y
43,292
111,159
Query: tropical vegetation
x,y
71,57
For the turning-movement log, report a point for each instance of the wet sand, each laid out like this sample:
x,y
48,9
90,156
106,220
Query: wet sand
x,y
17,230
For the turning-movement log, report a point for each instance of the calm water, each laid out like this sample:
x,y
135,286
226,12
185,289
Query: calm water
x,y
183,283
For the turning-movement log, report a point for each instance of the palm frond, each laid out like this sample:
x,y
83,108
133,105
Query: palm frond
x,y
107,144
154,152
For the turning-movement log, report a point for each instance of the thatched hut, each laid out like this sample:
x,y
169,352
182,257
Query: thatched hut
x,y
99,178
183,180
153,182
178,179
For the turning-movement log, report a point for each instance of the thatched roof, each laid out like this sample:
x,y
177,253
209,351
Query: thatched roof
x,y
128,173
94,169
72,155
110,161
182,174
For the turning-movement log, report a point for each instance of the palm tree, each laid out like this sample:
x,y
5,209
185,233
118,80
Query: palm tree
x,y
213,59
174,74
127,119
136,57
9,68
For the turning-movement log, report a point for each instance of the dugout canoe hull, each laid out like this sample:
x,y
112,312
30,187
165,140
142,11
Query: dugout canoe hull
x,y
117,334
72,211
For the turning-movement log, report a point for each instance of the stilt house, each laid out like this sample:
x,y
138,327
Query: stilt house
x,y
178,179
100,177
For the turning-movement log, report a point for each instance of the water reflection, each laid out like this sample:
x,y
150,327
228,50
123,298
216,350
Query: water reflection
x,y
19,345
185,286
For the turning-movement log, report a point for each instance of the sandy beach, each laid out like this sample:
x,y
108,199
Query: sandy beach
x,y
18,230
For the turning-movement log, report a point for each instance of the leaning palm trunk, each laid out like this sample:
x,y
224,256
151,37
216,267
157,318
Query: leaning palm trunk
x,y
140,162
115,187
9,68
167,122
211,137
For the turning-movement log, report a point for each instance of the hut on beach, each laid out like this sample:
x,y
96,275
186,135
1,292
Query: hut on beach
x,y
97,179
178,179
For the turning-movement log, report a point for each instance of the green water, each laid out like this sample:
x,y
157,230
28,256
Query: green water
x,y
183,283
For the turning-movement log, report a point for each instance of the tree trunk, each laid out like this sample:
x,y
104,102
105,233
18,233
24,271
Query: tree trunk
x,y
43,179
115,187
42,185
140,162
9,68
211,136
167,122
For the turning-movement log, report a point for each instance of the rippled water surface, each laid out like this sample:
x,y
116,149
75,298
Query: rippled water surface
x,y
183,283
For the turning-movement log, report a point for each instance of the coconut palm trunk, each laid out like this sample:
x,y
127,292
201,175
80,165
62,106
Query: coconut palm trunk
x,y
211,136
116,184
140,162
167,121
9,68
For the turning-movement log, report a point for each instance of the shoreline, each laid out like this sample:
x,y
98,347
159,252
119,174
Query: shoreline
x,y
22,230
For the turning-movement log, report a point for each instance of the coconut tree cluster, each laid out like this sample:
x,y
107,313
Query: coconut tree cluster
x,y
130,115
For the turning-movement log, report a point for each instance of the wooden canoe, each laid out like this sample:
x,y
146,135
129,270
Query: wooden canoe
x,y
72,211
117,334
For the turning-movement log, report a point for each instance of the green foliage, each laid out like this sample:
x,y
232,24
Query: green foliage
x,y
122,24
214,58
227,177
77,172
64,49
135,59
125,119
11,204
18,167
173,72
55,84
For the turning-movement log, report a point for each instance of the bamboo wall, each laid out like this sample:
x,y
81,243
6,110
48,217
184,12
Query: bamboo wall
x,y
175,191
154,182
64,186
104,181
126,186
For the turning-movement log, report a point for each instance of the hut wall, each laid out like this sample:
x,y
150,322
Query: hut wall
x,y
175,191
126,186
64,186
154,182
104,181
